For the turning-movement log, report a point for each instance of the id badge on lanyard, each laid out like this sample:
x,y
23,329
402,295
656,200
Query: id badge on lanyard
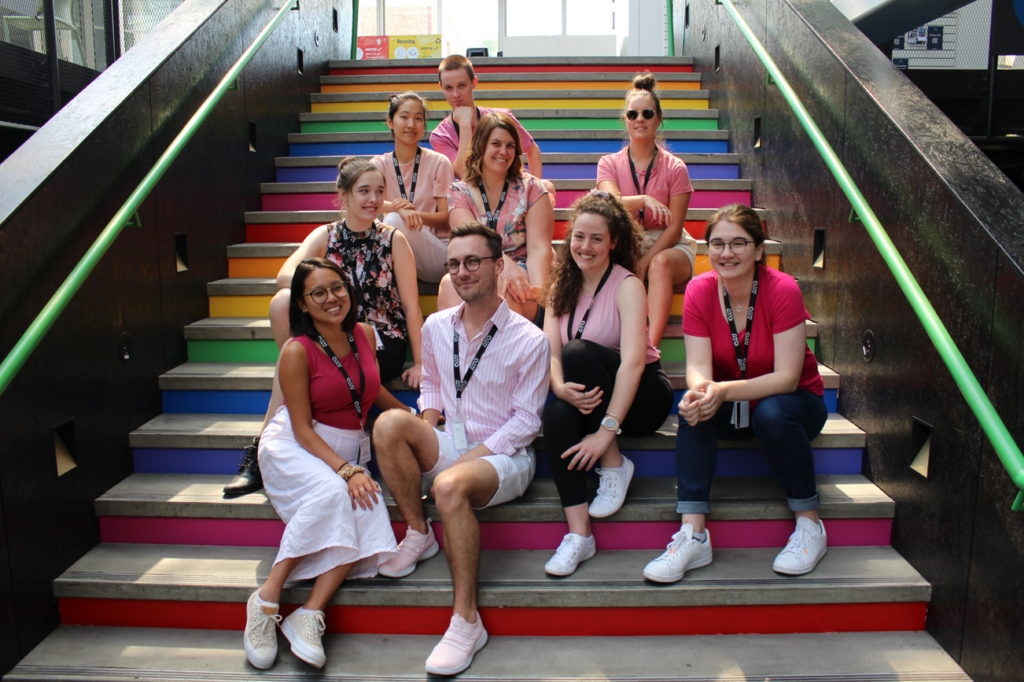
x,y
364,447
741,408
458,432
740,414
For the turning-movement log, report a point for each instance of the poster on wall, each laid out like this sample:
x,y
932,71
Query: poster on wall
x,y
415,47
372,47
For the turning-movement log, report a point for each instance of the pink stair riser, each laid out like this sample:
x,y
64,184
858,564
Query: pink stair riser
x,y
329,202
609,534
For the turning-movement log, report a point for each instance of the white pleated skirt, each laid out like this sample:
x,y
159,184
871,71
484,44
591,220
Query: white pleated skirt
x,y
314,503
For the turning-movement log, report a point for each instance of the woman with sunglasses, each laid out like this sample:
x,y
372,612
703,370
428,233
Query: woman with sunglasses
x,y
749,373
336,523
416,187
605,373
496,192
655,186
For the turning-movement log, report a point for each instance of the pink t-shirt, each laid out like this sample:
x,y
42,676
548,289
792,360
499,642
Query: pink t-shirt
x,y
445,140
779,308
434,178
604,326
523,193
669,178
329,397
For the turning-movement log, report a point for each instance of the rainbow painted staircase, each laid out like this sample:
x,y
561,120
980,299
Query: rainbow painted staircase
x,y
163,596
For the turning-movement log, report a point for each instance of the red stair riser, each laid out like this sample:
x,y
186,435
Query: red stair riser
x,y
424,70
540,536
521,622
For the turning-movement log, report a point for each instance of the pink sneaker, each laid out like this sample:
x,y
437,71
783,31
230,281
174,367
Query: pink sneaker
x,y
416,547
454,653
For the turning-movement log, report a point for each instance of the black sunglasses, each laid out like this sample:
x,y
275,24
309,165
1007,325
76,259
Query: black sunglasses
x,y
631,114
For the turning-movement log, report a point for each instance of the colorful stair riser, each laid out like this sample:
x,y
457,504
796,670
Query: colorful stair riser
x,y
483,87
374,104
479,69
547,146
531,124
518,621
647,535
552,171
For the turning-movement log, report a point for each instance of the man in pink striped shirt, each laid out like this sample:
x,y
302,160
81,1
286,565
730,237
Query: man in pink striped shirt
x,y
487,369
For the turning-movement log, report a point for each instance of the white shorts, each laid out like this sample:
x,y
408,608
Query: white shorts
x,y
514,471
687,246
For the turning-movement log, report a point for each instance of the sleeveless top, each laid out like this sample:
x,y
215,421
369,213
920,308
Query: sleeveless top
x,y
329,397
369,265
604,326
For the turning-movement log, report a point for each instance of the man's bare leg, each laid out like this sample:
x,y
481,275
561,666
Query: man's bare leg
x,y
406,447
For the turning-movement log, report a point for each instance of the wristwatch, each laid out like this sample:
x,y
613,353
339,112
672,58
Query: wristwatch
x,y
611,423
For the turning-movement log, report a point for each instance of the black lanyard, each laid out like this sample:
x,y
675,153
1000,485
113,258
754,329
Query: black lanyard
x,y
415,173
583,322
492,218
348,380
741,355
456,125
647,178
460,383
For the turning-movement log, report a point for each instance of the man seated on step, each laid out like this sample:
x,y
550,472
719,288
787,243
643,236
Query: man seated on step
x,y
453,135
487,369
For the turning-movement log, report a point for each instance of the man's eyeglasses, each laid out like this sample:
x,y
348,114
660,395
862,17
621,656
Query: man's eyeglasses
x,y
737,246
472,264
319,295
632,114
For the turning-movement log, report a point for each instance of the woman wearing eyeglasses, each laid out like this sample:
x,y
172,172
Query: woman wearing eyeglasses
x,y
654,185
496,192
605,373
749,373
336,524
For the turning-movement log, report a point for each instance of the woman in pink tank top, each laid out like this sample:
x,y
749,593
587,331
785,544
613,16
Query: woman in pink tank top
x,y
336,524
605,372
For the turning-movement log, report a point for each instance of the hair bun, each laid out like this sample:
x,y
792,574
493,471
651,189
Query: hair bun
x,y
645,81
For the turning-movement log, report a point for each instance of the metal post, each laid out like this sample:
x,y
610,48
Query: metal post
x,y
50,27
114,31
355,29
993,62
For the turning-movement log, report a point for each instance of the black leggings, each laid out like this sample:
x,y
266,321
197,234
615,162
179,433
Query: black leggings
x,y
391,358
591,364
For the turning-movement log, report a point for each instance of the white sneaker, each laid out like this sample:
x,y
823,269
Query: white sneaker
x,y
304,629
683,553
806,546
454,653
574,549
611,493
260,634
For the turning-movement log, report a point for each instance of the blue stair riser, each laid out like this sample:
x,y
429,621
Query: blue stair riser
x,y
648,462
255,402
552,171
548,146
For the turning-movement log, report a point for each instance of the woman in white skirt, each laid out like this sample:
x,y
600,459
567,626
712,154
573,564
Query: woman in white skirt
x,y
336,524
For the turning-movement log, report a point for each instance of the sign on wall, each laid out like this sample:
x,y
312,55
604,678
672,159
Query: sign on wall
x,y
372,47
415,47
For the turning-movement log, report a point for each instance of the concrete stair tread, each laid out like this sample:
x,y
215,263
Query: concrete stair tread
x,y
323,217
339,116
733,498
267,286
554,157
540,135
492,62
258,376
508,578
567,185
230,431
430,79
435,94
116,654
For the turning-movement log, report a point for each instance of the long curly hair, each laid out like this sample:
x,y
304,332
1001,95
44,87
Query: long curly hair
x,y
475,157
562,290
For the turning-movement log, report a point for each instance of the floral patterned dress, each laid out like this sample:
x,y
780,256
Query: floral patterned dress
x,y
523,193
369,264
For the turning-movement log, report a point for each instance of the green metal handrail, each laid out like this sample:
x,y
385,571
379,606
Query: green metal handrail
x,y
62,297
1002,442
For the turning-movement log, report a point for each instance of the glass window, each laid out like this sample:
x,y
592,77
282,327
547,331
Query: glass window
x,y
593,17
367,19
469,23
533,18
410,17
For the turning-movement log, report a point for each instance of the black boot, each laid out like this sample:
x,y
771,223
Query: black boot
x,y
249,479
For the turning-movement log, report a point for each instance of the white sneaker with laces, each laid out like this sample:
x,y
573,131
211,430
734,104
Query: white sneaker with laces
x,y
611,492
305,629
574,549
806,546
260,634
454,653
683,553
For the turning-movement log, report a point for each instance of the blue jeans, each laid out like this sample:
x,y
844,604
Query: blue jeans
x,y
785,426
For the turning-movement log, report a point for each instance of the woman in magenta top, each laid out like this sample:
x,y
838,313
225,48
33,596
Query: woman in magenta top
x,y
336,525
749,373
655,186
496,192
605,372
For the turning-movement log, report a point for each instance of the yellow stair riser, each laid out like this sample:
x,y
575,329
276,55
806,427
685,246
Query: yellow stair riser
x,y
517,85
442,106
259,306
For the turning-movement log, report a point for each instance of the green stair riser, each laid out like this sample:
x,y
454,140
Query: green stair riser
x,y
528,123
